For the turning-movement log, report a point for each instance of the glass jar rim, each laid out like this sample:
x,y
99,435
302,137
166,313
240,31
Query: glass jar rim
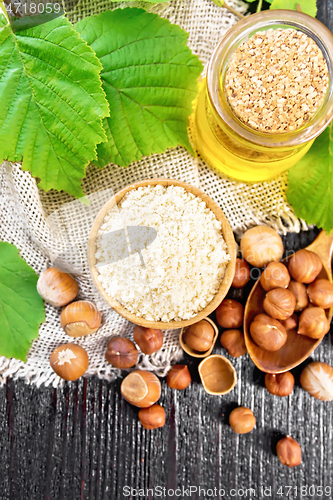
x,y
241,31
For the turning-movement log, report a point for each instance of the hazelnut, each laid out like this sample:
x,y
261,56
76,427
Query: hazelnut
x,y
57,287
289,452
321,293
281,384
313,323
152,417
242,274
261,245
290,323
69,361
148,339
275,275
304,266
279,303
299,291
230,314
242,420
179,377
268,333
233,341
199,336
317,380
141,388
80,318
121,353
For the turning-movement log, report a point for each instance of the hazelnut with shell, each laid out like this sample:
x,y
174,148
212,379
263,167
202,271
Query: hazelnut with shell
x,y
280,384
141,388
299,291
57,287
80,318
121,353
69,361
233,340
313,323
148,339
152,417
179,377
230,314
279,303
304,266
321,293
275,275
199,336
242,274
268,333
289,452
317,380
242,420
261,245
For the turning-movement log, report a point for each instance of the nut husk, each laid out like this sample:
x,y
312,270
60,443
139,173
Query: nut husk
x,y
268,333
313,323
299,291
279,303
321,293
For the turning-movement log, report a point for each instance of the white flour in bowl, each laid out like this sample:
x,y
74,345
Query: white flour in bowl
x,y
182,268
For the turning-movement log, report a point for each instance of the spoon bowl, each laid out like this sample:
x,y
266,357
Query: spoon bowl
x,y
298,347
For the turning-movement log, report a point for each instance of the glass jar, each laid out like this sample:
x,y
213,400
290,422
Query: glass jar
x,y
232,147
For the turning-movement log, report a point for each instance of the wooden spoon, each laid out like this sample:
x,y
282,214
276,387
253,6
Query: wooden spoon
x,y
298,347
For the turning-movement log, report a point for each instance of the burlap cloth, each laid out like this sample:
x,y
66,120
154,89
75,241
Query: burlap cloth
x,y
24,210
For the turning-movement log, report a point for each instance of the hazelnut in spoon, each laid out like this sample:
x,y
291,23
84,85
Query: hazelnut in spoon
x,y
297,348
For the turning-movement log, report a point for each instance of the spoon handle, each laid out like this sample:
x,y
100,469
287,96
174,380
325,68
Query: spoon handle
x,y
323,247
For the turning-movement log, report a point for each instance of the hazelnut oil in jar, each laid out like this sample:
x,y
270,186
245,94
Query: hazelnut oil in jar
x,y
251,138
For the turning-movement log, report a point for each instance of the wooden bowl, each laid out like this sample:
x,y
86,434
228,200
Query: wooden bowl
x,y
192,352
227,235
217,374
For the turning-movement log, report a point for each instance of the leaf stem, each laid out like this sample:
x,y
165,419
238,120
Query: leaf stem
x,y
222,3
3,10
299,8
259,6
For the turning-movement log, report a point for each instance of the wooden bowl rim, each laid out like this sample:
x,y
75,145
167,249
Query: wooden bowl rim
x,y
196,354
226,361
227,235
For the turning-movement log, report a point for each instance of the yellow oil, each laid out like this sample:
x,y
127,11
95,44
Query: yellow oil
x,y
246,162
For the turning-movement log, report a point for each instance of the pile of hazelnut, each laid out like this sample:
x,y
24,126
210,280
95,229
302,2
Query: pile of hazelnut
x,y
295,300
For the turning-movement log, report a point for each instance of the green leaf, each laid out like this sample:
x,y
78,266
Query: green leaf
x,y
150,79
52,103
307,6
310,190
21,308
